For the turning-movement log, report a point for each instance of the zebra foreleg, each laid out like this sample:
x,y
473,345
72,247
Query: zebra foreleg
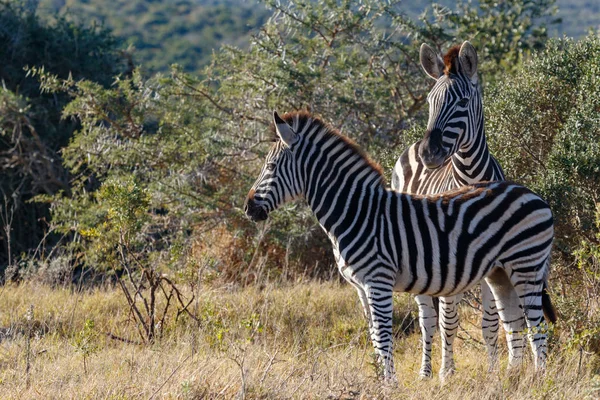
x,y
379,299
364,302
448,329
427,322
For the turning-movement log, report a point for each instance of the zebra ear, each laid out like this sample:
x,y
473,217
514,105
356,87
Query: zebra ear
x,y
431,61
284,131
467,57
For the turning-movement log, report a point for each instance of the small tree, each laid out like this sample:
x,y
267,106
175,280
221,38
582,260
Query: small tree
x,y
121,187
86,342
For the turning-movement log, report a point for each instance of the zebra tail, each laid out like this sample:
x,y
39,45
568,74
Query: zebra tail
x,y
547,306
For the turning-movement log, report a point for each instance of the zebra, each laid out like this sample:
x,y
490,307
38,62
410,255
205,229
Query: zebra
x,y
385,241
454,153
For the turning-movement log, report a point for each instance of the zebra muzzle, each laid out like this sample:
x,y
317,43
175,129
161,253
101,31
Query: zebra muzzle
x,y
253,211
431,150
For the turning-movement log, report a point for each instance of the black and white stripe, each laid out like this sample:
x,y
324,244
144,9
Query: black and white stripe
x,y
454,153
386,241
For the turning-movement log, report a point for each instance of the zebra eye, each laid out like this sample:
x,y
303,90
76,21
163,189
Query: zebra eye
x,y
463,102
270,166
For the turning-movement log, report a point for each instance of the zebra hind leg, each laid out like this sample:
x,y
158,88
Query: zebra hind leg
x,y
448,330
380,303
509,308
490,325
427,322
529,285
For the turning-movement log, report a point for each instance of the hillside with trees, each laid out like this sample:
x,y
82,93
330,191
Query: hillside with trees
x,y
578,17
186,32
129,268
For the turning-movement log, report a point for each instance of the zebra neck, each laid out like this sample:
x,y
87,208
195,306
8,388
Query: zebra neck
x,y
473,163
342,193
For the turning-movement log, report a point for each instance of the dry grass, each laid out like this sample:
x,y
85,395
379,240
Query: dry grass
x,y
302,341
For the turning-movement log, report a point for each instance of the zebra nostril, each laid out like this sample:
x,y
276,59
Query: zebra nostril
x,y
248,205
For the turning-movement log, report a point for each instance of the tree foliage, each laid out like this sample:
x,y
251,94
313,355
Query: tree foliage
x,y
545,129
32,132
193,145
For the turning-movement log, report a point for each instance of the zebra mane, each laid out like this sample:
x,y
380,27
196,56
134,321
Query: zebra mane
x,y
451,60
298,120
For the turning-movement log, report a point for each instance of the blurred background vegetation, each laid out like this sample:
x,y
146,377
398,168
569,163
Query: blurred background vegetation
x,y
131,131
187,32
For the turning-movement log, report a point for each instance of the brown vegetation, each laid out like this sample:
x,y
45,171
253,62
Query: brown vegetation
x,y
307,340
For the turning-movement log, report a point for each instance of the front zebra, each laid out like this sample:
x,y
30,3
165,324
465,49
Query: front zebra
x,y
386,241
453,153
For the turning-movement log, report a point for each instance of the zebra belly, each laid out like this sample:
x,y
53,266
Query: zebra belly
x,y
443,281
401,287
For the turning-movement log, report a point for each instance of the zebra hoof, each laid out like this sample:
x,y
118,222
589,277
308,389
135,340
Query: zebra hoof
x,y
391,381
447,373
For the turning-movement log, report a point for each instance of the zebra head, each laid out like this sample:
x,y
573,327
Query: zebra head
x,y
454,103
276,183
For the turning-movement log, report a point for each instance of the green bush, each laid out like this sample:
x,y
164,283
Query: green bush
x,y
545,129
31,127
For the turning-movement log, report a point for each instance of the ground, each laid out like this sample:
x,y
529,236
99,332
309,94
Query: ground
x,y
304,340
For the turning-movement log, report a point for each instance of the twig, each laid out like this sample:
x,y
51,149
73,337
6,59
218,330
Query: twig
x,y
271,362
170,376
121,339
240,364
184,305
132,307
470,337
29,317
7,220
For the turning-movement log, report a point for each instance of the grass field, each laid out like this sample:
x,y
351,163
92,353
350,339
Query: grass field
x,y
306,340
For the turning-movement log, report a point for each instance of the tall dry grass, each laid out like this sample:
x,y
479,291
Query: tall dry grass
x,y
307,340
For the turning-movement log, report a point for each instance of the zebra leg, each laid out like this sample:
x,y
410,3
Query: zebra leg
x,y
448,329
359,288
427,322
514,325
489,324
364,302
529,286
380,308
509,308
